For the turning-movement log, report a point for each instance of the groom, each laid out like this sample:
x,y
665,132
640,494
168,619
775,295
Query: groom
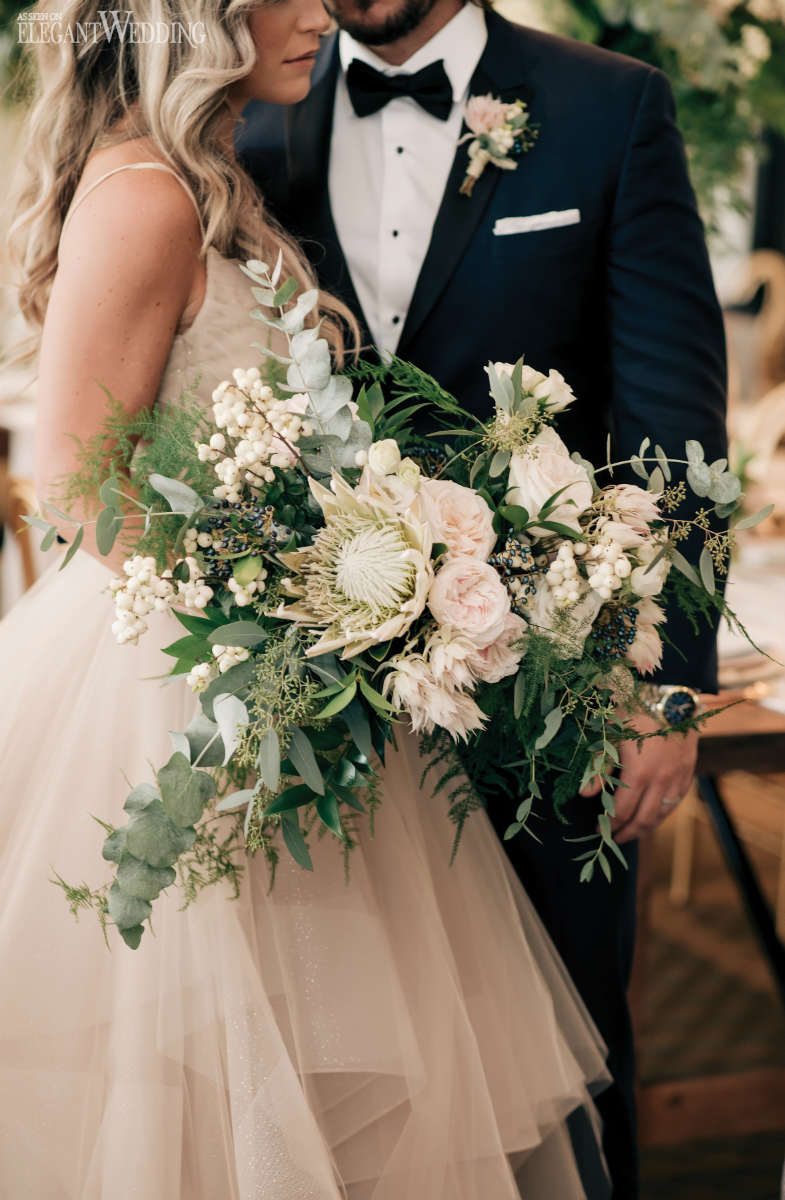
x,y
589,258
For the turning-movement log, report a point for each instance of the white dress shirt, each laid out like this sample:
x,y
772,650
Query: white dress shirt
x,y
388,172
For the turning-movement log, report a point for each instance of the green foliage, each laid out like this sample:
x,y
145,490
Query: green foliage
x,y
722,98
134,446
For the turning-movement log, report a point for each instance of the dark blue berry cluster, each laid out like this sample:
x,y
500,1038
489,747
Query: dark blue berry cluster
x,y
515,564
614,632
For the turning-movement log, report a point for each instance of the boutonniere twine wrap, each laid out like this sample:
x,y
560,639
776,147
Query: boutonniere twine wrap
x,y
499,134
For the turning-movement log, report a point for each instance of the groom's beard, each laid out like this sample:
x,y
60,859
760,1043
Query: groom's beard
x,y
391,28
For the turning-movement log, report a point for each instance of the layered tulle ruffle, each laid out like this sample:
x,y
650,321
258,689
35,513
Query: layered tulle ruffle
x,y
409,1034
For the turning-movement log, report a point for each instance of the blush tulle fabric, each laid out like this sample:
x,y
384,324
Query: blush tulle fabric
x,y
408,1035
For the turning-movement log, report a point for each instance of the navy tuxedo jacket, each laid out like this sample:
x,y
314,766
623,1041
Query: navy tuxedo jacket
x,y
622,303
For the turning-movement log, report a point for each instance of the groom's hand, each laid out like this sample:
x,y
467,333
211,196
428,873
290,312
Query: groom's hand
x,y
652,772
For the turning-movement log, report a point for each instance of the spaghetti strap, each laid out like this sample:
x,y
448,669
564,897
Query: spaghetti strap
x,y
154,166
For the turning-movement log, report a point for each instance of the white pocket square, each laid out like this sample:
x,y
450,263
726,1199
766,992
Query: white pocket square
x,y
549,220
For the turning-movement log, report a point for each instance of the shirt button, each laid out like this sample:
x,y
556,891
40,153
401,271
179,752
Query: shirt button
x,y
395,232
396,320
399,150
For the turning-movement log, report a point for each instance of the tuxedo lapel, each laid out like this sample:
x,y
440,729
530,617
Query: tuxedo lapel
x,y
500,71
309,134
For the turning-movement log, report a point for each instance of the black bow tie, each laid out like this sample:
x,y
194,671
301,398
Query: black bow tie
x,y
370,90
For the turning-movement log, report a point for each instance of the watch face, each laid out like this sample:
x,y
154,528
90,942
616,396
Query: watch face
x,y
679,706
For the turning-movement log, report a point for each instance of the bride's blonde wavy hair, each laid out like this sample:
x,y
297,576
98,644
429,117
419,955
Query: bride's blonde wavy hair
x,y
103,90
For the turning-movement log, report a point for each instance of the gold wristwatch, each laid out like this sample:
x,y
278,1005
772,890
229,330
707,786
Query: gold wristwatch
x,y
671,703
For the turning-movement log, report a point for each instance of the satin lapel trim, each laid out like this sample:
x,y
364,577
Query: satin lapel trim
x,y
459,216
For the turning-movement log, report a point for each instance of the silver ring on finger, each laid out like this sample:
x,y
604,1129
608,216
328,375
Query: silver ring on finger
x,y
670,801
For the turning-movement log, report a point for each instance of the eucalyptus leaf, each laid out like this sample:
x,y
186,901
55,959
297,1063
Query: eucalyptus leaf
x,y
662,459
686,568
340,702
519,694
501,389
178,495
114,846
303,759
750,522
126,911
725,488
48,540
236,801
231,716
204,740
232,682
656,482
180,744
706,567
269,760
141,881
699,478
357,722
285,292
327,808
72,549
238,633
553,723
499,463
311,367
294,841
140,798
694,452
107,527
154,837
184,791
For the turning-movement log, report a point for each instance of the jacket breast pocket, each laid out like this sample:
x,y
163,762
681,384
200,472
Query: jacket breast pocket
x,y
518,239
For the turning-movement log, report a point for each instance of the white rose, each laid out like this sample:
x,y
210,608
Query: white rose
x,y
555,391
645,581
458,517
384,457
543,468
469,596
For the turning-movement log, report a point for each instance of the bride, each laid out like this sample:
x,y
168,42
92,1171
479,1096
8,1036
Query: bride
x,y
408,1035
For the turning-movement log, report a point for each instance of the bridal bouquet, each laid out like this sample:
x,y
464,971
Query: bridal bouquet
x,y
337,575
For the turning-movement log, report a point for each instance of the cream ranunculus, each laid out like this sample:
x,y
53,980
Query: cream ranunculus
x,y
541,470
458,517
468,596
384,457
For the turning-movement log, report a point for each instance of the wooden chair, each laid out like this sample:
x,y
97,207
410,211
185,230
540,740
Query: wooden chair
x,y
17,500
751,739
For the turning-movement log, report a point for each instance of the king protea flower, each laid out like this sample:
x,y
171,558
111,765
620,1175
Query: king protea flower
x,y
366,576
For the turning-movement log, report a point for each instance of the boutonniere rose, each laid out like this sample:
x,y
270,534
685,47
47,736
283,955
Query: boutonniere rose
x,y
499,134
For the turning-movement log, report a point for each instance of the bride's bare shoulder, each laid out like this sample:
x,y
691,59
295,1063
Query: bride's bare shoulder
x,y
132,205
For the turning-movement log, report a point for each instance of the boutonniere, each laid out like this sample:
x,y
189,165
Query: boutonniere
x,y
499,134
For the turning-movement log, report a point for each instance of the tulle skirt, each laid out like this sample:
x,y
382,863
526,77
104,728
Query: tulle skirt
x,y
407,1035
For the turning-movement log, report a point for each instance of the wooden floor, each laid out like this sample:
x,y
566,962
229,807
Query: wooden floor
x,y
711,1039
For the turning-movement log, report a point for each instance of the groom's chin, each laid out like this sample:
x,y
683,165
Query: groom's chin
x,y
379,22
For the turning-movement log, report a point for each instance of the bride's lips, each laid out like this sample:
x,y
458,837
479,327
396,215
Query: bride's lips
x,y
304,60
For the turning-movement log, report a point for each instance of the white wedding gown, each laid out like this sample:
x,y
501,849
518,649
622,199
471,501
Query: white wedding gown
x,y
408,1035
